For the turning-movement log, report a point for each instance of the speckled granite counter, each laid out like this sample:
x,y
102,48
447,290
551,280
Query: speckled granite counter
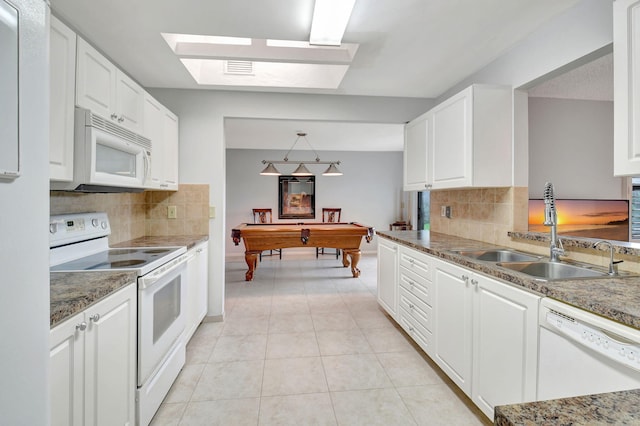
x,y
620,408
615,298
72,292
188,241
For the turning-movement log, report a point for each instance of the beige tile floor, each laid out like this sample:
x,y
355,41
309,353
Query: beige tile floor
x,y
307,344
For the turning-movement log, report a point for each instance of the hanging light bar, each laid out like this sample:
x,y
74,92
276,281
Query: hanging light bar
x,y
301,170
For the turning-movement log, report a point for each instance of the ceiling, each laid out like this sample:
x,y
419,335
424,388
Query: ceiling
x,y
407,48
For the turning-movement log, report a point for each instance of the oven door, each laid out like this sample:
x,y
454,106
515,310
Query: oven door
x,y
161,314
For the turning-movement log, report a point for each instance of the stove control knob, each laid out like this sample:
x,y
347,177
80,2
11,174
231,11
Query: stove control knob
x,y
94,223
53,228
104,225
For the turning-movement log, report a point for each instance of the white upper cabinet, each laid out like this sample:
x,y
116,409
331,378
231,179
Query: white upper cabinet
x,y
416,143
106,90
626,95
161,126
463,142
62,89
471,144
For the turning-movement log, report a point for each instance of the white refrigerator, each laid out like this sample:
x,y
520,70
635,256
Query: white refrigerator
x,y
24,213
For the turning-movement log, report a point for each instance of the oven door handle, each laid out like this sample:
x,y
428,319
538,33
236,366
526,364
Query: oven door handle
x,y
151,278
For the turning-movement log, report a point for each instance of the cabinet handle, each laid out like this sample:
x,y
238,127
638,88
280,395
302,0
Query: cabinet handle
x,y
94,317
465,278
474,282
199,250
82,326
411,306
114,116
411,329
120,119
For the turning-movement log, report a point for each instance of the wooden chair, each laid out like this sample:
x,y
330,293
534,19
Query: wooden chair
x,y
265,216
329,215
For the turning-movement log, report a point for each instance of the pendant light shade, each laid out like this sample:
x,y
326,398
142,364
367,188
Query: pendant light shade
x,y
332,170
270,170
302,171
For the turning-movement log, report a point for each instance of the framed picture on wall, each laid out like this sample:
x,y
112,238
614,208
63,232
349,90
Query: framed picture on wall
x,y
296,197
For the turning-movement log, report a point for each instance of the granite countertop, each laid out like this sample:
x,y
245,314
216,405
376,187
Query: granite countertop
x,y
615,298
73,292
620,408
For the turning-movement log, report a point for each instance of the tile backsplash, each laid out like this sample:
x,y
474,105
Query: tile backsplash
x,y
142,214
483,214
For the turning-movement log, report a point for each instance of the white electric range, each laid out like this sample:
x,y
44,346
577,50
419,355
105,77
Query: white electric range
x,y
79,242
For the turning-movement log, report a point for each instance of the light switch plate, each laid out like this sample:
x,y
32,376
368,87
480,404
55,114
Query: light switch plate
x,y
212,212
172,212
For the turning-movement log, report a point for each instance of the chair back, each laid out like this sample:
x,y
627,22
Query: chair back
x,y
262,216
331,215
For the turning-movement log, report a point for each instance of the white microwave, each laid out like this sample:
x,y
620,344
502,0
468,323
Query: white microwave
x,y
107,157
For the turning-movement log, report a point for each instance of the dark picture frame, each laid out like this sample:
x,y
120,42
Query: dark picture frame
x,y
296,197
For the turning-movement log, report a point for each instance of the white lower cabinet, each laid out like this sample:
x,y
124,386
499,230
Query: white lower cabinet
x,y
505,344
480,331
93,364
388,276
197,289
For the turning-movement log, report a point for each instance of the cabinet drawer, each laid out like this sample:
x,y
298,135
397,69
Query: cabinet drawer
x,y
416,285
418,310
418,333
416,262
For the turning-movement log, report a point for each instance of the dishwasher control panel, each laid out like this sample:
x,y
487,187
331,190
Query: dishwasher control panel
x,y
605,342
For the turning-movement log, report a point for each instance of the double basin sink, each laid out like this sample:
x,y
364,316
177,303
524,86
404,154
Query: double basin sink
x,y
535,266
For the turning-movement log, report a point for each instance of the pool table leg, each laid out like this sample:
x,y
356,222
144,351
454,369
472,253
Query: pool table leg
x,y
354,254
251,257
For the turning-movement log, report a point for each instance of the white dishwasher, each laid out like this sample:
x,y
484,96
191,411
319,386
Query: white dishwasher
x,y
581,353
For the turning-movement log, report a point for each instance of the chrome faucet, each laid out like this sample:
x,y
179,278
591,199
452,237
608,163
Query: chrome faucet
x,y
551,219
613,269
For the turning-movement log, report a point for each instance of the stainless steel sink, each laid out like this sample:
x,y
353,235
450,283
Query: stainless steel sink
x,y
498,255
550,271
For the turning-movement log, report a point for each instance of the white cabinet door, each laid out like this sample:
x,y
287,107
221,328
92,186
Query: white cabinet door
x,y
505,327
472,139
154,130
129,103
453,322
95,81
388,276
452,146
93,364
171,150
197,287
105,90
62,89
626,101
66,374
416,159
110,363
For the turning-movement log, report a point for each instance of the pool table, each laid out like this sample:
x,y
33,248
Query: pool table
x,y
268,236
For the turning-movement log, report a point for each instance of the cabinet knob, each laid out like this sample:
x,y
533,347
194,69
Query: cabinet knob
x,y
94,317
82,326
465,278
114,116
120,119
474,282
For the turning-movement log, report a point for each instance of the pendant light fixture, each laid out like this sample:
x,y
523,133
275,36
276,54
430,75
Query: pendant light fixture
x,y
301,170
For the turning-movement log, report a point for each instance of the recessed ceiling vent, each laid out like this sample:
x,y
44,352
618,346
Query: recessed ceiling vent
x,y
238,67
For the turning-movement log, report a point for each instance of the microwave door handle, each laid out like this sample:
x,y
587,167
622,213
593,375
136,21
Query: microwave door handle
x,y
147,165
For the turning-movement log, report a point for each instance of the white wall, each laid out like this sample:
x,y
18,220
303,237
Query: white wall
x,y
368,192
202,147
571,145
24,247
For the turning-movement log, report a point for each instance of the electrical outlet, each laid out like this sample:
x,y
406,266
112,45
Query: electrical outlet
x,y
172,212
443,211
